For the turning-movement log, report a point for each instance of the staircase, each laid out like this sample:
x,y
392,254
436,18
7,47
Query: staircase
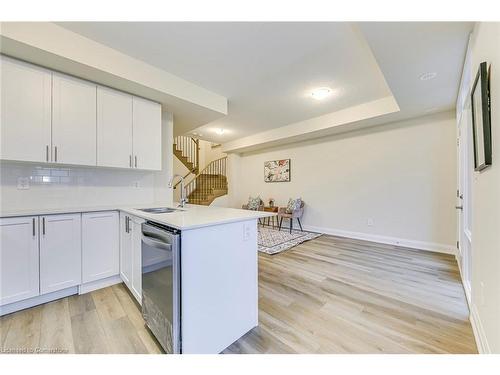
x,y
187,150
209,184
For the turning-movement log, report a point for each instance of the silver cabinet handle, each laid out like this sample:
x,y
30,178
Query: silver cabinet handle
x,y
136,161
34,232
459,207
127,224
47,153
43,226
55,154
130,161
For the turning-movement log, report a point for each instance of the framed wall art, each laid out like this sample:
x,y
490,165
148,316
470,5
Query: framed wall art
x,y
277,170
481,120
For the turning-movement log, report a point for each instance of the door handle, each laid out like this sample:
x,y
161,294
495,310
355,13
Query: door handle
x,y
130,161
136,161
43,226
47,153
157,244
459,207
55,154
34,232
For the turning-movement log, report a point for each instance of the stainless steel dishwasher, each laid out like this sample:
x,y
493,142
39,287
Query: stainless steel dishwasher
x,y
161,284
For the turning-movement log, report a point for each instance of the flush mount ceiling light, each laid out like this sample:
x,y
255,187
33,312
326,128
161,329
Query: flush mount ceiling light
x,y
428,76
321,93
220,131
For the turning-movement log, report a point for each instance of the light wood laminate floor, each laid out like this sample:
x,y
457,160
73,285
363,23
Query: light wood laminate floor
x,y
328,295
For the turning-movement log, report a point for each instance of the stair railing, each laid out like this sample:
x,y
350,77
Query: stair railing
x,y
212,177
189,149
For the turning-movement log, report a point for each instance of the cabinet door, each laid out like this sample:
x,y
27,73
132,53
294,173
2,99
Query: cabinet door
x,y
60,252
125,251
100,245
25,111
136,224
114,128
146,134
18,259
73,121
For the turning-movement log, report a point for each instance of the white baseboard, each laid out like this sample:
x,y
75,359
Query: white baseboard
x,y
477,327
30,302
421,245
99,284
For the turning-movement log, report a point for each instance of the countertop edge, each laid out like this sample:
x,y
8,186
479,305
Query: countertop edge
x,y
132,210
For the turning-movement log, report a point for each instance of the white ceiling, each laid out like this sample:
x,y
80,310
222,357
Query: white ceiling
x,y
267,69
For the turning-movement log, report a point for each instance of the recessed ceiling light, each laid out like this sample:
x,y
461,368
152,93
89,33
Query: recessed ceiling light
x,y
219,131
428,76
321,93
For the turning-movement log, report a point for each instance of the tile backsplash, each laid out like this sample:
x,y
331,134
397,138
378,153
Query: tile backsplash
x,y
59,187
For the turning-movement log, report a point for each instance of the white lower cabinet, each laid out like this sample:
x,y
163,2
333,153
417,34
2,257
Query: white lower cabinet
x,y
60,252
130,253
45,257
100,245
19,258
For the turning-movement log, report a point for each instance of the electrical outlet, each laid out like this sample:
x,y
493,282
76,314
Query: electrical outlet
x,y
369,222
23,183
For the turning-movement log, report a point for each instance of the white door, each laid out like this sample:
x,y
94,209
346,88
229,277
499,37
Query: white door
x,y
136,229
464,196
100,245
73,121
114,128
18,259
465,160
146,134
125,250
25,111
60,252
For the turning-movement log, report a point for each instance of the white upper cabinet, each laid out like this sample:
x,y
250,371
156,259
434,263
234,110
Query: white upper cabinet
x,y
73,121
146,134
18,259
25,111
60,252
54,118
114,128
100,245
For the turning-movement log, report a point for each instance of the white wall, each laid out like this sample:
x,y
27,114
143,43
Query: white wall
x,y
401,175
485,288
67,187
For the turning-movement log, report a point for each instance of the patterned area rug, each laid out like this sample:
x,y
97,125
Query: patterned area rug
x,y
272,241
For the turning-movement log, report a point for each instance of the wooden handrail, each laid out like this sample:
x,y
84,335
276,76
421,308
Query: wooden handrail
x,y
178,182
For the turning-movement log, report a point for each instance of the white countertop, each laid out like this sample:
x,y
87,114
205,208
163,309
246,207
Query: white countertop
x,y
191,216
195,216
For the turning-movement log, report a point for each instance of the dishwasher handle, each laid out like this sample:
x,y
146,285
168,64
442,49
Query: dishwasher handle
x,y
157,244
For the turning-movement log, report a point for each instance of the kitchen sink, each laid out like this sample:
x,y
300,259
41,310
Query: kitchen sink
x,y
159,210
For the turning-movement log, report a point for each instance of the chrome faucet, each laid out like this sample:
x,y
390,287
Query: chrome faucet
x,y
184,199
